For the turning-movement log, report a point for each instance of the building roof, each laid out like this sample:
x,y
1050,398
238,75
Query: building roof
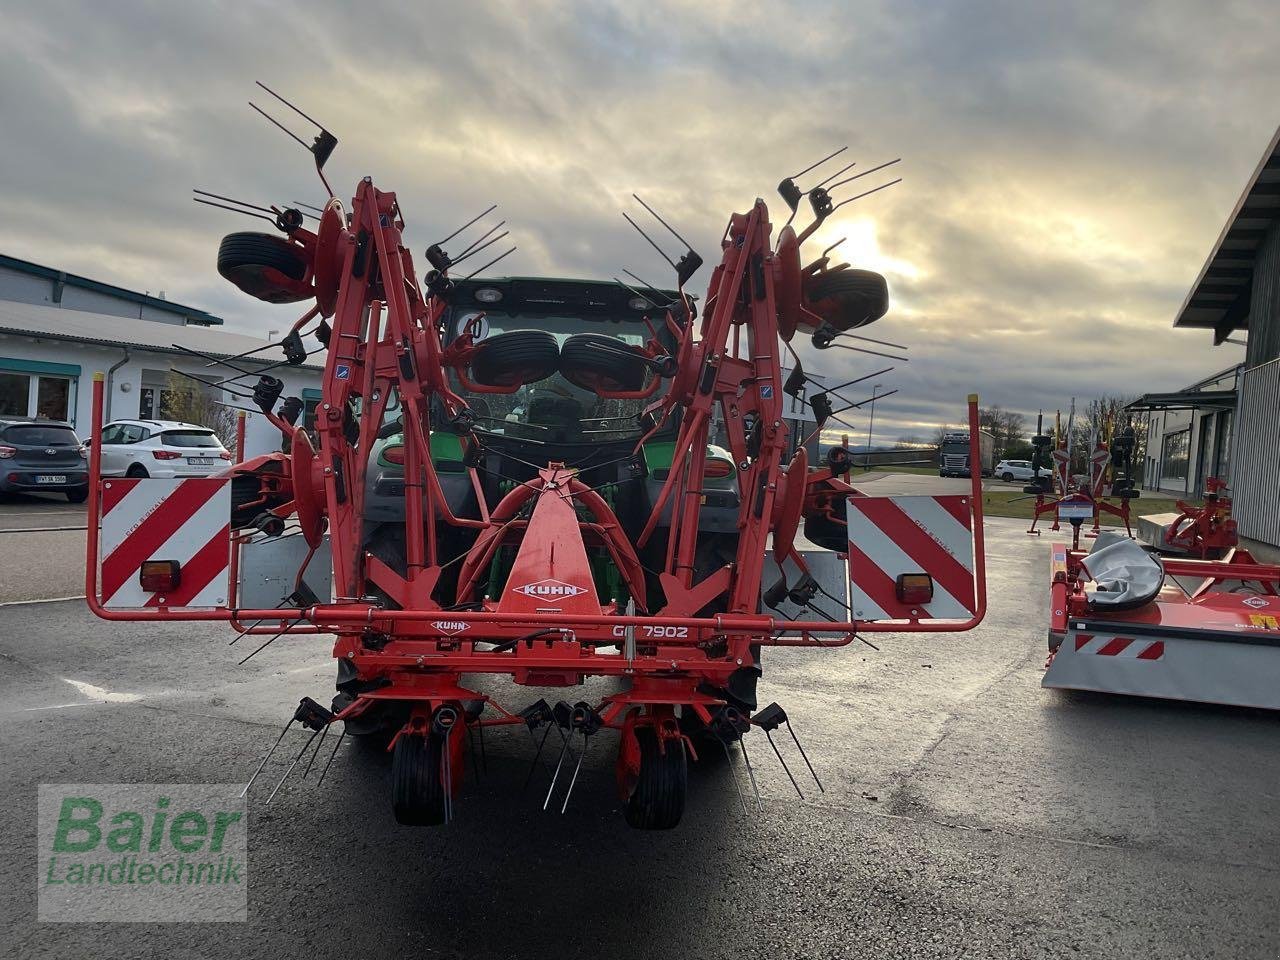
x,y
1186,400
1219,299
79,326
73,280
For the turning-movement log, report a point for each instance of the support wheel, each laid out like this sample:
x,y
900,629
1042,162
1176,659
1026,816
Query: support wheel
x,y
657,803
417,785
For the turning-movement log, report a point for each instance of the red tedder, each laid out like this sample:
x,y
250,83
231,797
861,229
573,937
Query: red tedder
x,y
515,546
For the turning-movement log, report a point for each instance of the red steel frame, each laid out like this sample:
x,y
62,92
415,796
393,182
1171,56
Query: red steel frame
x,y
387,335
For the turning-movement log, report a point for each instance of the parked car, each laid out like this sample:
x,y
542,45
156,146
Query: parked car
x,y
161,448
42,455
1010,470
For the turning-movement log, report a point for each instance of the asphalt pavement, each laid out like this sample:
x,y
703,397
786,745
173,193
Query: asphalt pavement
x,y
966,813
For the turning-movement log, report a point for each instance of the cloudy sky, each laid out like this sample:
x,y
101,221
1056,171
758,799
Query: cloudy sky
x,y
1066,166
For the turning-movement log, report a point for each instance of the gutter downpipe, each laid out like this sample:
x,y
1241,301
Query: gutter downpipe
x,y
111,374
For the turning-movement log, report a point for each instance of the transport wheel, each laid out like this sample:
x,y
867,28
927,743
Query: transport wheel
x,y
417,787
1007,477
265,266
594,362
657,803
78,496
848,298
515,357
137,470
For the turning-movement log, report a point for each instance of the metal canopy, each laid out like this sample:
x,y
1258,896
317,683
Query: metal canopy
x,y
1186,400
1220,298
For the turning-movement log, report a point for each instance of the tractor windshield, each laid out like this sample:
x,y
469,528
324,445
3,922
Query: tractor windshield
x,y
554,410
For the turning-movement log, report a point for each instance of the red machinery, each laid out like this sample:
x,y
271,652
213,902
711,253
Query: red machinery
x,y
1110,475
508,583
1124,620
1204,530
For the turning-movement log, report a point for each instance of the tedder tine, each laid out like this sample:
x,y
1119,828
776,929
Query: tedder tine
x,y
274,746
342,736
289,769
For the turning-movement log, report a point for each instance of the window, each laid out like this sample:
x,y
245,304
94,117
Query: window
x,y
133,433
189,438
39,435
52,399
1176,451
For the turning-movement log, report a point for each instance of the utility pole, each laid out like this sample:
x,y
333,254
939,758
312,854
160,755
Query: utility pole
x,y
871,425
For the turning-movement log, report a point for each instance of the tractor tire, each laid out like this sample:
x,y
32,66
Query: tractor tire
x,y
596,362
417,784
657,803
515,357
847,299
264,266
137,471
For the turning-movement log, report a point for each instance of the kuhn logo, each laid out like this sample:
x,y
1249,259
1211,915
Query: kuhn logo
x,y
550,588
1257,602
450,626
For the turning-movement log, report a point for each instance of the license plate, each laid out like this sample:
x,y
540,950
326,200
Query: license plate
x,y
50,478
200,461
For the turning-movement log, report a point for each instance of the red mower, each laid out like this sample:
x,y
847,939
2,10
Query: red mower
x,y
518,477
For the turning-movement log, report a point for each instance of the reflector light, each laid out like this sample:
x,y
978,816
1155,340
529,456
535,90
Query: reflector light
x,y
394,454
488,295
914,588
718,469
160,576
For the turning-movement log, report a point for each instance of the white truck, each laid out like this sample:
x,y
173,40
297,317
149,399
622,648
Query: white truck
x,y
953,455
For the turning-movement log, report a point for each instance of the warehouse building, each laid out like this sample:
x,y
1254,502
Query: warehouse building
x,y
1235,297
58,329
1189,434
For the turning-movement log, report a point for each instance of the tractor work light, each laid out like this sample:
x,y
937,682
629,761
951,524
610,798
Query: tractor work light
x,y
717,468
639,303
914,588
488,295
394,454
160,576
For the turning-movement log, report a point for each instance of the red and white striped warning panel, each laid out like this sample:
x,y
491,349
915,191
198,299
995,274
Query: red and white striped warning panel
x,y
1244,672
892,536
188,521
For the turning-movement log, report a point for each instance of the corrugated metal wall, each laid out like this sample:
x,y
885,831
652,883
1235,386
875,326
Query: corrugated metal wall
x,y
1255,464
1264,307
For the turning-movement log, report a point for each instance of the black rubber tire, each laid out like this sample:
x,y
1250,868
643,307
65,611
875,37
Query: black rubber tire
x,y
517,356
417,789
137,470
826,534
1007,477
657,803
861,297
594,361
78,496
245,258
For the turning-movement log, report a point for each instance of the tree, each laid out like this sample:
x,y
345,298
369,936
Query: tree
x,y
1006,426
186,401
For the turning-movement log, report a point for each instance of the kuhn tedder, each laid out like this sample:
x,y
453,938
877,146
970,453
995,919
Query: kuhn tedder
x,y
1087,498
517,477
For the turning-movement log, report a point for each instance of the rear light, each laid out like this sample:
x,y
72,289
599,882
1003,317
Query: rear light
x,y
914,588
166,455
160,576
394,454
225,454
7,452
717,469
84,454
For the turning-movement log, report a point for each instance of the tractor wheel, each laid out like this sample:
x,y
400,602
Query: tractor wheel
x,y
515,357
596,362
847,299
417,785
657,803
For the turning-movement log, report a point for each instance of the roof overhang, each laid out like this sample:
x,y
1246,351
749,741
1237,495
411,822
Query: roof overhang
x,y
1219,299
1185,400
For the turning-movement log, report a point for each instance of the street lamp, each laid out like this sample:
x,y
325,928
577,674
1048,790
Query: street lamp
x,y
871,425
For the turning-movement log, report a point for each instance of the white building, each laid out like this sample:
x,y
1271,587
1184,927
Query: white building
x,y
1189,434
57,330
